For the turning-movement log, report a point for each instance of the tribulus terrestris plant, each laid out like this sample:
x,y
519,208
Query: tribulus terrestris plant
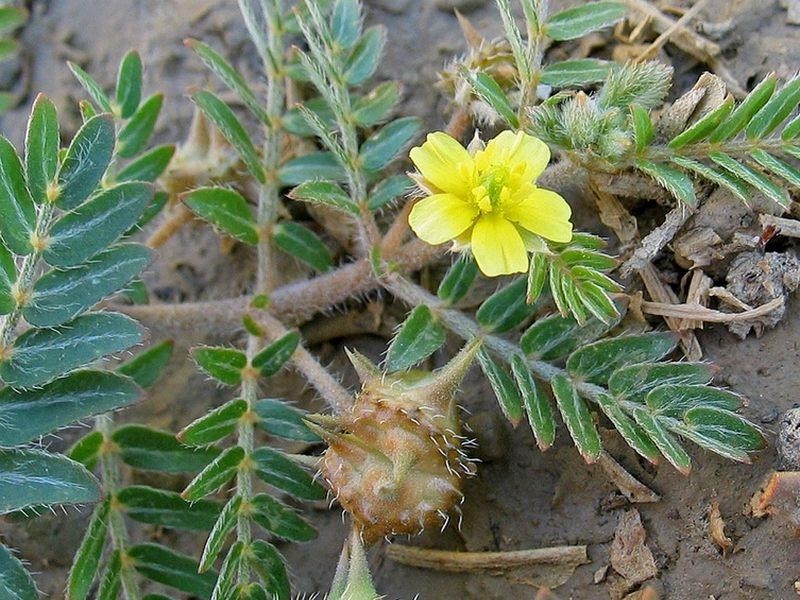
x,y
311,168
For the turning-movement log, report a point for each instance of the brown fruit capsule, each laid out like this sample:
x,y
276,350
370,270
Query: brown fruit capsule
x,y
394,460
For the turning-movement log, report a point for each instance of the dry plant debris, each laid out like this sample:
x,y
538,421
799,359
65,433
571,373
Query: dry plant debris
x,y
630,556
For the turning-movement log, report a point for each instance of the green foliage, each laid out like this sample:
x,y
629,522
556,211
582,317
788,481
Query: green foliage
x,y
226,210
419,336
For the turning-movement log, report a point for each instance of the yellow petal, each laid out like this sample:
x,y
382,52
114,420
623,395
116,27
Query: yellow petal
x,y
441,217
498,247
544,213
519,152
445,163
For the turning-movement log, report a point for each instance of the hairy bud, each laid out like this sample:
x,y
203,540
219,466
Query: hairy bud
x,y
395,460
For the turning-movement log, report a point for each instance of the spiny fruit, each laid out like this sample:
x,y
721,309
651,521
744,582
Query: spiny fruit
x,y
395,460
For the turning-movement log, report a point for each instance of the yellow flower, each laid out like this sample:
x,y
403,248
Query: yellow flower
x,y
488,200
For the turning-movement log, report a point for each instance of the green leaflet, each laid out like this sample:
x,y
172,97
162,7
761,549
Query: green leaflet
x,y
577,418
721,431
229,125
86,564
303,244
419,336
635,381
28,414
85,161
146,367
167,509
172,569
506,308
87,449
590,16
279,419
673,400
372,108
226,210
59,296
387,190
230,77
775,111
223,527
153,450
387,143
268,563
366,55
149,166
134,135
504,388
490,92
346,22
554,336
8,276
272,358
537,406
214,425
310,167
216,474
745,111
35,478
642,127
94,89
751,176
129,84
674,181
576,72
666,443
279,471
15,582
41,147
223,364
229,573
110,581
326,193
40,355
632,433
17,211
280,520
458,279
596,362
83,232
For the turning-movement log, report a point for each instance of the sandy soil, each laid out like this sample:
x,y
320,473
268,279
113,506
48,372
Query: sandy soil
x,y
521,498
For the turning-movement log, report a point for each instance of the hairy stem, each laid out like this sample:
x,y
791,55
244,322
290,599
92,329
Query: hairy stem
x,y
109,468
337,397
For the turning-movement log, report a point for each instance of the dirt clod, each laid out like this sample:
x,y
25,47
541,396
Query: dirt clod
x,y
755,279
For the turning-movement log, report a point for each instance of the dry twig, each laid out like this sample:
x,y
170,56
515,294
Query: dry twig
x,y
461,562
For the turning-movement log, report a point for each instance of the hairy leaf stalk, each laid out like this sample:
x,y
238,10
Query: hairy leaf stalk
x,y
268,199
27,274
118,532
466,328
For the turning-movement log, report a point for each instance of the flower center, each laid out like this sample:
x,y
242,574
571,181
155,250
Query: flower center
x,y
492,189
